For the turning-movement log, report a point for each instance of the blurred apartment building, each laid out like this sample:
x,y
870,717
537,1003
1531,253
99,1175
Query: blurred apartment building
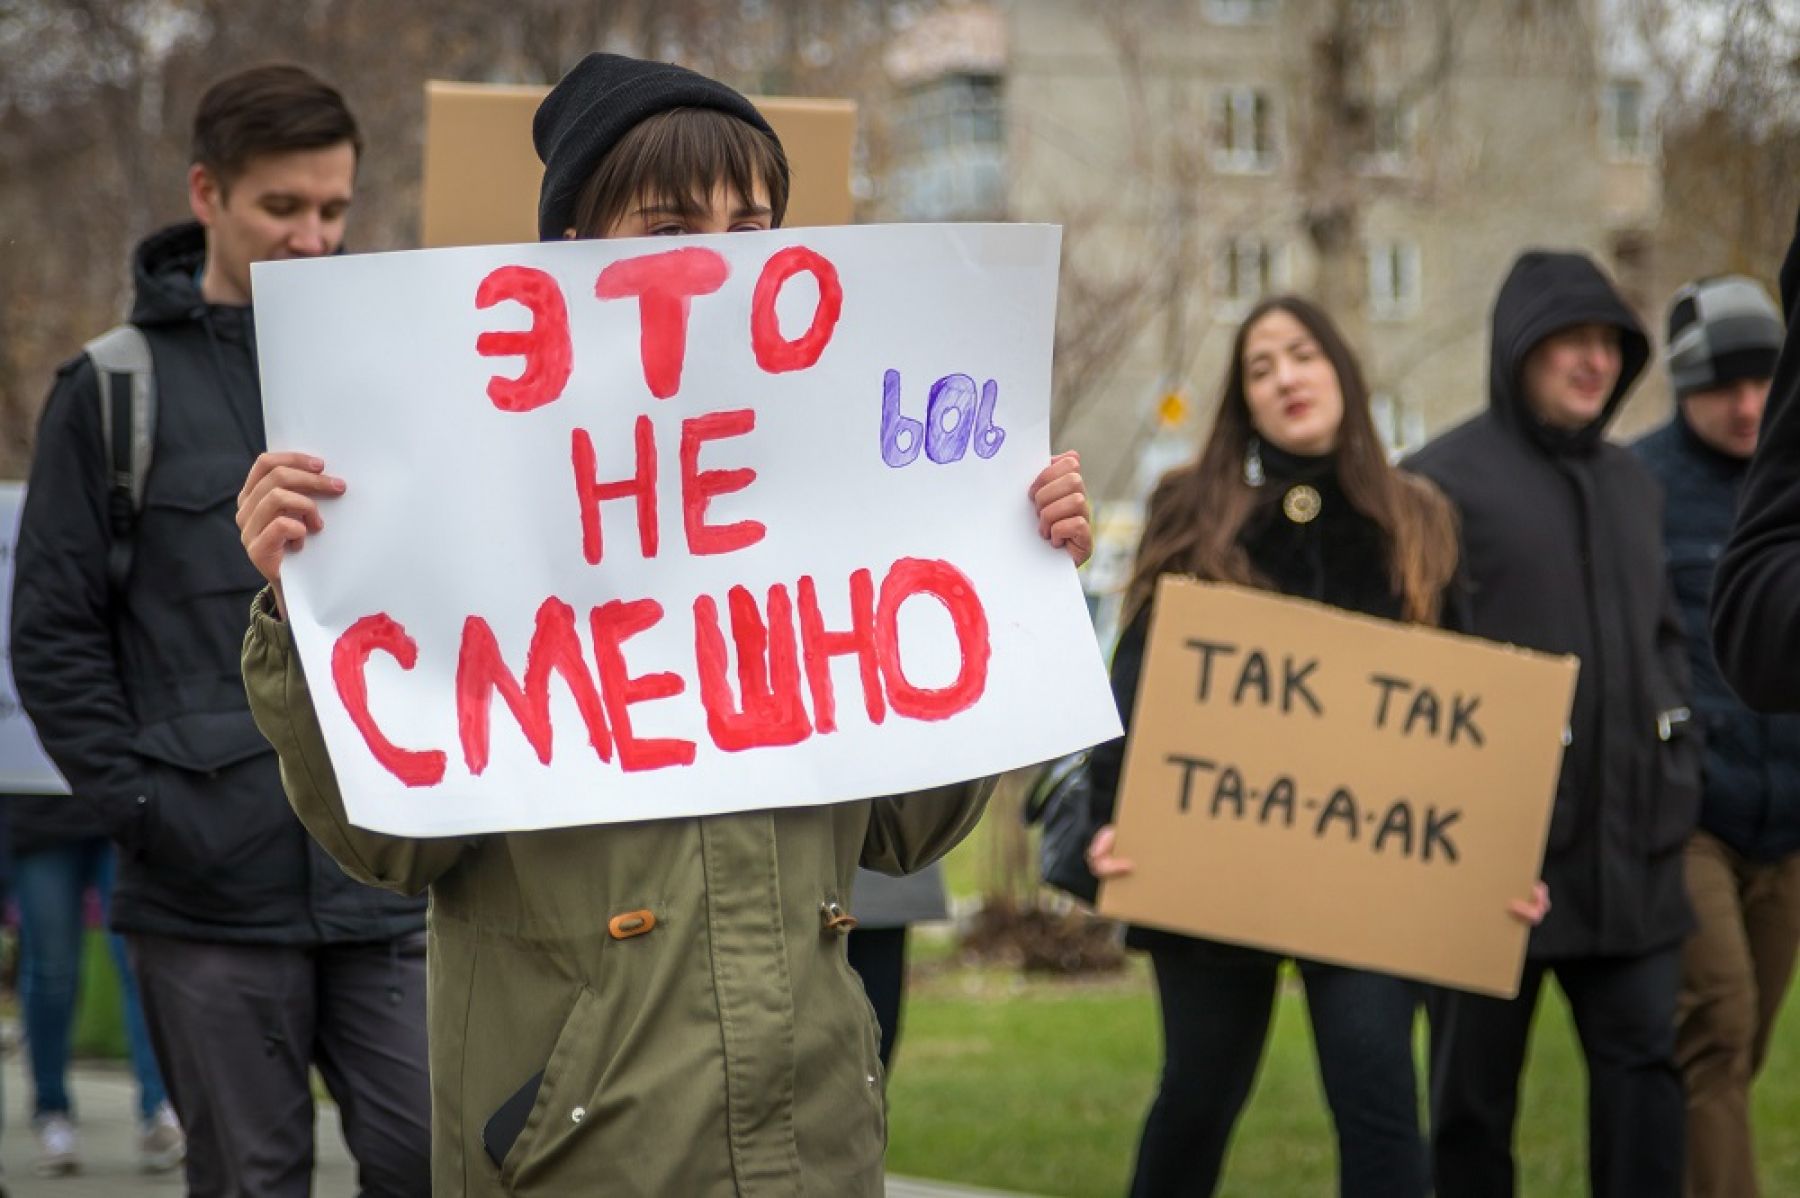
x,y
1169,138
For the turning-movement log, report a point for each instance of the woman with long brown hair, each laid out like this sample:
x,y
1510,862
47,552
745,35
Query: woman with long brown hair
x,y
1294,493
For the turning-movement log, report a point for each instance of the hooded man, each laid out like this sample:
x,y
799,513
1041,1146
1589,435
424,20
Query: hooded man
x,y
1756,600
1562,535
1743,862
256,955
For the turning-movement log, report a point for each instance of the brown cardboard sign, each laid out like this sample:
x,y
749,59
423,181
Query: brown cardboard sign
x,y
1338,787
481,173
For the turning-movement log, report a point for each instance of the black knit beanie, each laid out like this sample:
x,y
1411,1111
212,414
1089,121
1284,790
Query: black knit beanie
x,y
595,105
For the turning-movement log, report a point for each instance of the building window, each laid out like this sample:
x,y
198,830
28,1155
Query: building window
x,y
1386,14
1248,269
1393,280
1240,12
1400,423
1393,133
1245,119
1625,120
949,151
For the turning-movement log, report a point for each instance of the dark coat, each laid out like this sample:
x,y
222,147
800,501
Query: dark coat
x,y
1562,551
39,822
137,695
1339,558
1751,795
1756,599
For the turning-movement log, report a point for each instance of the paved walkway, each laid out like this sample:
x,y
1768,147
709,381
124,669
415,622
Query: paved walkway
x,y
106,1098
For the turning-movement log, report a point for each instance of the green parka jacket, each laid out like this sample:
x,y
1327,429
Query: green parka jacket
x,y
682,984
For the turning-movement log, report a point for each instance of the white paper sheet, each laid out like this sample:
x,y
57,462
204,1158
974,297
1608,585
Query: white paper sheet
x,y
457,509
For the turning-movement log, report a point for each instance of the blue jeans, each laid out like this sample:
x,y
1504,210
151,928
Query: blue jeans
x,y
49,886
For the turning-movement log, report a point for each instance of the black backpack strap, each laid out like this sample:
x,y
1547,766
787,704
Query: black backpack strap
x,y
127,379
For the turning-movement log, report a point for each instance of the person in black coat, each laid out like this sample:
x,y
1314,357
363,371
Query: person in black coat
x,y
1756,597
1292,492
1562,537
256,955
1743,862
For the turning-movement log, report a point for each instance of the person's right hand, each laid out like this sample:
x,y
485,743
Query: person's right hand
x,y
1100,859
279,508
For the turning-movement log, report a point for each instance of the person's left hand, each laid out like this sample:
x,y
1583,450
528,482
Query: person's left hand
x,y
1062,507
1531,911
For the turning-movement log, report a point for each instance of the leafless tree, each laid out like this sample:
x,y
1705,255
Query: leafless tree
x,y
1730,116
96,98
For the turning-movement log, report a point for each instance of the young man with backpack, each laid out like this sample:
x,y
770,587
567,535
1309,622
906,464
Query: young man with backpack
x,y
257,956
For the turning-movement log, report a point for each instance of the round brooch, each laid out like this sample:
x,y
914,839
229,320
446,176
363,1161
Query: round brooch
x,y
1302,504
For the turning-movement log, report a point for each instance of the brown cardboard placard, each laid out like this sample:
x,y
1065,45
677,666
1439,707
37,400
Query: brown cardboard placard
x,y
1337,787
481,174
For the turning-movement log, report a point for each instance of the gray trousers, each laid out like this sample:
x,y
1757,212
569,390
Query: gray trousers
x,y
237,1029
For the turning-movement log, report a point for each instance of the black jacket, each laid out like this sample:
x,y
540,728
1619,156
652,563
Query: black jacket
x,y
1756,600
1339,558
39,822
137,696
1562,551
1752,774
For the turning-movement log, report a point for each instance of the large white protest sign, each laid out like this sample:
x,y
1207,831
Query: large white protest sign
x,y
639,529
23,767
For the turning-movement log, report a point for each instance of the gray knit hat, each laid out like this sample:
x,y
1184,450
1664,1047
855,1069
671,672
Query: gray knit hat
x,y
1720,330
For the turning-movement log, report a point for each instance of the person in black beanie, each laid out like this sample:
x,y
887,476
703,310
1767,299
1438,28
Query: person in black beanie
x,y
1756,598
1743,862
603,105
663,1007
1562,533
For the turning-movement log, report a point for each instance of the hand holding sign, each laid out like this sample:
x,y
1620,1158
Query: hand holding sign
x,y
1062,507
1102,858
278,509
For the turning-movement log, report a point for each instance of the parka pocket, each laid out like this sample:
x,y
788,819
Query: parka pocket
x,y
1679,761
873,1076
1568,809
188,527
559,1111
215,802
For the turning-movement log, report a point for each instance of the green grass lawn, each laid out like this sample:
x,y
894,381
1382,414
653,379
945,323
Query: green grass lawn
x,y
1040,1085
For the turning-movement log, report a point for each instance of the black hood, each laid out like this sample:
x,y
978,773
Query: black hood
x,y
166,274
166,269
1546,292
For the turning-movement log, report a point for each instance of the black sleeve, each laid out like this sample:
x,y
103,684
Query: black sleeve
x,y
64,662
1107,760
1756,595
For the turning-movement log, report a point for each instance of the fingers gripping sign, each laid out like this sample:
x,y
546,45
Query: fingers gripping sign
x,y
279,508
1060,496
1102,856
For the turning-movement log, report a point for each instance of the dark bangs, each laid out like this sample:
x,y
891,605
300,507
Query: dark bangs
x,y
675,160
